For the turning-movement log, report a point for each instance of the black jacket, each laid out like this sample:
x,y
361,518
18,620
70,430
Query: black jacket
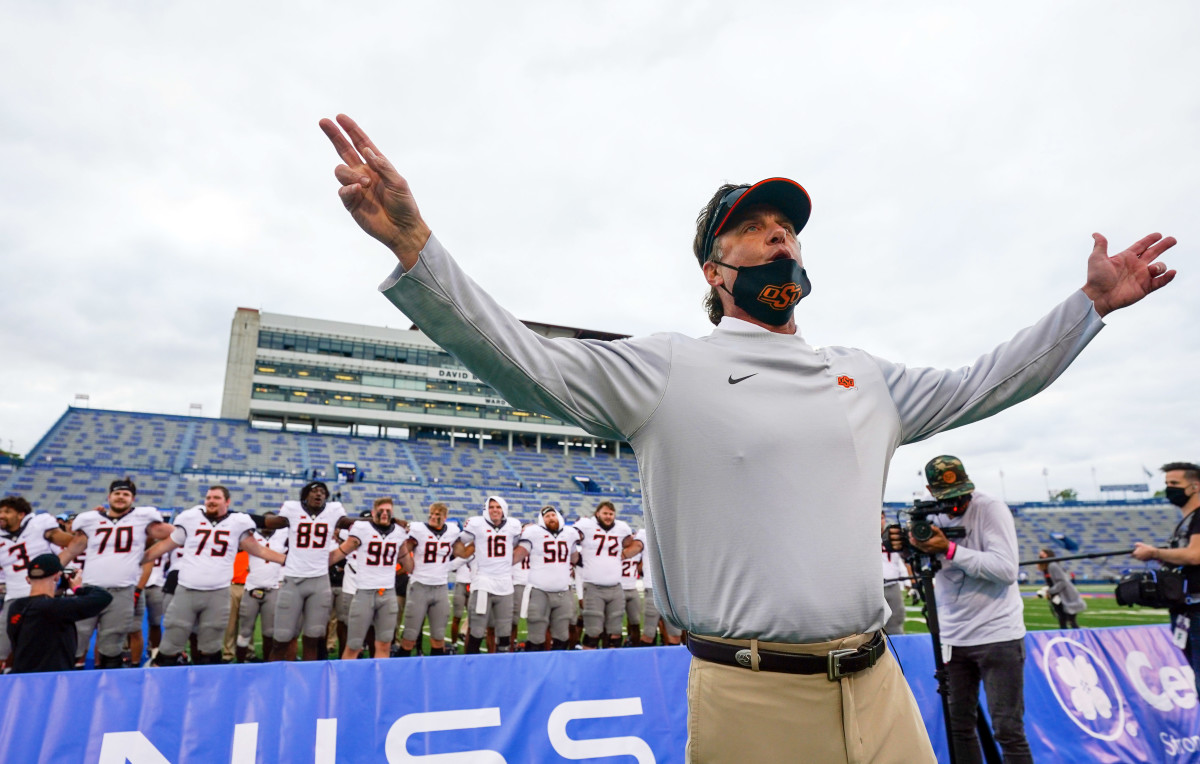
x,y
42,629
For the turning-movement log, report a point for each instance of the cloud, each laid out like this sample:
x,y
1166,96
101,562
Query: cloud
x,y
164,167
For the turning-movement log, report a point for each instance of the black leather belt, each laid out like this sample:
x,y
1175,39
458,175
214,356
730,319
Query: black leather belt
x,y
834,665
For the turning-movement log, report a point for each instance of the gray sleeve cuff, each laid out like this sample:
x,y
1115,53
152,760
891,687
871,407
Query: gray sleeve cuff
x,y
399,271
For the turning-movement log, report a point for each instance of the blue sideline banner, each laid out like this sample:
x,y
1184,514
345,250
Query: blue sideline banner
x,y
1104,695
602,705
1094,695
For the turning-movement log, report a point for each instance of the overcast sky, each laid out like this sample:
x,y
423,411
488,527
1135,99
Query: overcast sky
x,y
163,166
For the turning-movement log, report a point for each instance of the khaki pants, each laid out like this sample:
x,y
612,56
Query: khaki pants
x,y
738,715
231,629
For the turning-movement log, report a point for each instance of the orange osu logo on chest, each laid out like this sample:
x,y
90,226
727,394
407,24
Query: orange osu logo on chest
x,y
846,382
781,297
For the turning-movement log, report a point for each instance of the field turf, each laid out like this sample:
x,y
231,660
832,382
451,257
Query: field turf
x,y
1102,610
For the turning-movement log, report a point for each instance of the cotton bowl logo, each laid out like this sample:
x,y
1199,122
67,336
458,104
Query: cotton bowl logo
x,y
1085,688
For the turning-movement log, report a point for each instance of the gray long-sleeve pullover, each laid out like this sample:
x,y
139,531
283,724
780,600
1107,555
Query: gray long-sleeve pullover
x,y
761,496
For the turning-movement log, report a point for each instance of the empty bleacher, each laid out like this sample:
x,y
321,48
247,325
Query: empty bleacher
x,y
174,458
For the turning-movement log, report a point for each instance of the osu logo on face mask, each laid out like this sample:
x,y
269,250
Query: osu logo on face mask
x,y
781,297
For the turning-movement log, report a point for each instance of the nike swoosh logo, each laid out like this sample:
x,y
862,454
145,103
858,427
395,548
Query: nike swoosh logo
x,y
733,381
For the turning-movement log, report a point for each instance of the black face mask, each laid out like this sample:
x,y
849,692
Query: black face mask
x,y
769,292
1177,496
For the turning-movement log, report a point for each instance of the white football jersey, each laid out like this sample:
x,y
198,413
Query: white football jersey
x,y
115,547
462,570
377,554
175,556
520,572
348,585
263,574
209,548
493,553
434,553
310,538
601,550
19,548
158,574
550,557
631,570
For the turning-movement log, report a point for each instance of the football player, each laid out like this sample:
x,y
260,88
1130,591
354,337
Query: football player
x,y
491,538
23,536
210,537
380,544
114,539
432,547
604,542
631,574
461,567
258,601
550,550
305,599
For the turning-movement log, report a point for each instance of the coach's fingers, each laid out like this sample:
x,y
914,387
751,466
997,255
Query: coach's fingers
x,y
357,135
1140,246
347,175
351,195
1160,281
379,163
340,144
1152,252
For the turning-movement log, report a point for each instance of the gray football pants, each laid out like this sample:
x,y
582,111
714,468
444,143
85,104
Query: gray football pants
x,y
425,600
498,615
5,644
518,595
650,619
194,610
251,608
303,606
153,602
633,607
553,610
460,600
372,606
341,604
603,607
113,624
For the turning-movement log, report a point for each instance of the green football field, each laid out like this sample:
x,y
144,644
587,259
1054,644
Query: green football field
x,y
1102,610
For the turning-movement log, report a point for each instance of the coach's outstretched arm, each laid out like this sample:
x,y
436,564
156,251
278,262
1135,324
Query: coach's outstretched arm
x,y
1128,276
376,196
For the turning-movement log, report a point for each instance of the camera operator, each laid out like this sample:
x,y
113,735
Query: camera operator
x,y
980,611
1065,602
1183,490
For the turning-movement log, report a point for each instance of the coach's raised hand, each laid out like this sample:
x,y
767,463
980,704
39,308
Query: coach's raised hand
x,y
377,197
1126,277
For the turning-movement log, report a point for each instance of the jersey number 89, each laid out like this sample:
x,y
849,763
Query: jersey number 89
x,y
311,535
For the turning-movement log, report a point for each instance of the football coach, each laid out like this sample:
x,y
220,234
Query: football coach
x,y
749,416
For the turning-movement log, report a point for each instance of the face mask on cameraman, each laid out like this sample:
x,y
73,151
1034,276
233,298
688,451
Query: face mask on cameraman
x,y
1177,496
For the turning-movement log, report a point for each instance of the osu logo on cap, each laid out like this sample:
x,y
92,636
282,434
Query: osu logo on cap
x,y
781,297
949,476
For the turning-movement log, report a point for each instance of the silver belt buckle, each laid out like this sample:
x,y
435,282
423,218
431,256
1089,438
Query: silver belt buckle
x,y
835,665
743,658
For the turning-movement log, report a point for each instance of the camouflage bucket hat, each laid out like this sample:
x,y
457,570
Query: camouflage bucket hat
x,y
947,478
